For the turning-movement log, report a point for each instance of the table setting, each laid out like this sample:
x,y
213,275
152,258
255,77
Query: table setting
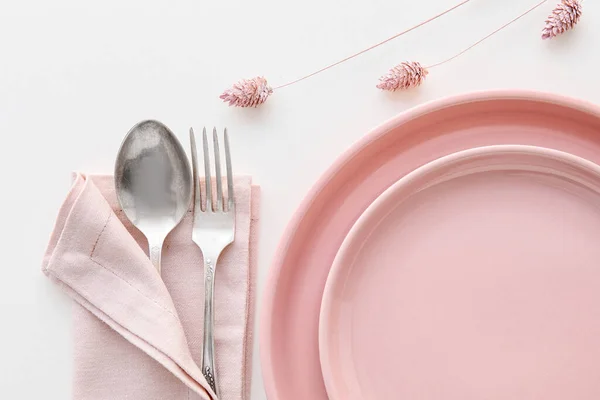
x,y
100,228
305,231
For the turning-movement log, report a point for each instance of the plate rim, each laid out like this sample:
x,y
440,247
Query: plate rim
x,y
348,248
273,274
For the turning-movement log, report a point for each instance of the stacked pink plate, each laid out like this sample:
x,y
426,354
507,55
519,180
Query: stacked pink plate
x,y
453,253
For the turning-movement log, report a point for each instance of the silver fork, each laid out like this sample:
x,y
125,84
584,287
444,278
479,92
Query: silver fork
x,y
213,231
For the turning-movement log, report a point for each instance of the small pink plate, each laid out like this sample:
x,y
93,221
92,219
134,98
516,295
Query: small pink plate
x,y
476,276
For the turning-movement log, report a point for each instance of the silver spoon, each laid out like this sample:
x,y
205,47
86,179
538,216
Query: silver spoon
x,y
153,182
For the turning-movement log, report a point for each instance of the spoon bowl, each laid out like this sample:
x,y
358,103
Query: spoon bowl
x,y
153,182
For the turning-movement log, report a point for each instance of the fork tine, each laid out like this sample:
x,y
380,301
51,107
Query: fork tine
x,y
218,171
230,196
197,192
208,205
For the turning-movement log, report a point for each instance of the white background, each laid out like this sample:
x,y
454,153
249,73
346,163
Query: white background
x,y
76,75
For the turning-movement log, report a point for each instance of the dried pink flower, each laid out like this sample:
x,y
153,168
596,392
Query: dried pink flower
x,y
403,76
248,93
563,18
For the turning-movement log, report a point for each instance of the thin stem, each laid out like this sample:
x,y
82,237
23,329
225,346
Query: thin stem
x,y
488,36
374,46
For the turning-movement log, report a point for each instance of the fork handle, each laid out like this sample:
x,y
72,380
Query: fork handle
x,y
208,348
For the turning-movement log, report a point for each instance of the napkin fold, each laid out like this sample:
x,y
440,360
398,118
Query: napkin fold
x,y
138,334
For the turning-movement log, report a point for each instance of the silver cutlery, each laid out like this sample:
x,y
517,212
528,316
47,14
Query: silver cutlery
x,y
213,230
153,182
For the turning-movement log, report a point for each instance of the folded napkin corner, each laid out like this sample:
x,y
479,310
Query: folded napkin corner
x,y
94,254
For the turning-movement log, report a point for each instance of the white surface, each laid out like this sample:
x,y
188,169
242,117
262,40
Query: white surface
x,y
75,76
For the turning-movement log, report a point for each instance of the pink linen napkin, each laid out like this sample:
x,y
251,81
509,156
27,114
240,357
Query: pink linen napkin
x,y
138,335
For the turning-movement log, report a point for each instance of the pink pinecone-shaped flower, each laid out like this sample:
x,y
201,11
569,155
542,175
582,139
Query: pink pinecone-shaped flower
x,y
563,18
248,93
403,76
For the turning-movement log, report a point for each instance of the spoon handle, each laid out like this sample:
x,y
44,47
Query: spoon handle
x,y
155,250
208,348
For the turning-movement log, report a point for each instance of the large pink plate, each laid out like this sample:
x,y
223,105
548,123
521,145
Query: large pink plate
x,y
475,276
290,313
